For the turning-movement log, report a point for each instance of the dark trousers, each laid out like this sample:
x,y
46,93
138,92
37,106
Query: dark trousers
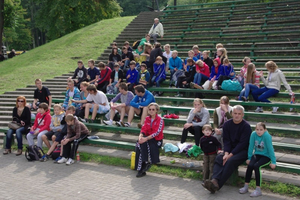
x,y
208,164
221,79
147,152
195,130
180,80
102,86
131,87
222,173
68,151
256,163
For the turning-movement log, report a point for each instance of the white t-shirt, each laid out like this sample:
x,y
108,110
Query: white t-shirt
x,y
99,98
167,55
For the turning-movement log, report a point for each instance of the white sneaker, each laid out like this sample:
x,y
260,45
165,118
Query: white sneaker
x,y
127,124
70,161
119,124
259,109
62,160
108,122
275,109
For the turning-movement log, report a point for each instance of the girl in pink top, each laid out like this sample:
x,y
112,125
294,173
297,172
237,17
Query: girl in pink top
x,y
202,72
251,82
246,62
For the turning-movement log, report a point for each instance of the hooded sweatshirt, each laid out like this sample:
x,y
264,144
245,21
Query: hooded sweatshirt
x,y
203,70
42,121
56,122
215,69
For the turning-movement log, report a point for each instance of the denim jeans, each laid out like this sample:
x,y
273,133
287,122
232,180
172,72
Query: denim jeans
x,y
246,91
9,135
200,78
264,93
172,71
159,81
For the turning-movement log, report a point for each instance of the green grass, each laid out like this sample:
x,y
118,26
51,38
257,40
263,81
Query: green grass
x,y
61,55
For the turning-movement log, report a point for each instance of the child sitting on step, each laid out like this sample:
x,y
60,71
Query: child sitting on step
x,y
261,143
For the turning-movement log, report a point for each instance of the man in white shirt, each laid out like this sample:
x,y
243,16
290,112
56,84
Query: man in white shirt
x,y
96,102
157,30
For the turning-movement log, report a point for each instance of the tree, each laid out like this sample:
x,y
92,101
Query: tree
x,y
61,17
1,21
16,34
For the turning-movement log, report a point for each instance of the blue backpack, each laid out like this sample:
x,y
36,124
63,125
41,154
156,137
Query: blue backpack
x,y
230,85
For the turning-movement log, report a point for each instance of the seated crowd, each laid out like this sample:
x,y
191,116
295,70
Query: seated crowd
x,y
127,74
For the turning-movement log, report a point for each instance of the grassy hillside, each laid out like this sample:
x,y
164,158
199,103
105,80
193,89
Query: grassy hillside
x,y
58,56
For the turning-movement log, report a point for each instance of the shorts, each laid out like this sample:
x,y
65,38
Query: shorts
x,y
141,113
51,133
101,109
60,136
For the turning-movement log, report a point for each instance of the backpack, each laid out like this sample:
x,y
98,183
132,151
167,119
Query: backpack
x,y
230,85
33,153
177,74
136,44
56,152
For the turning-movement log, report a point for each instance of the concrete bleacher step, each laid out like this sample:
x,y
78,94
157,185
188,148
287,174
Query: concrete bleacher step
x,y
165,160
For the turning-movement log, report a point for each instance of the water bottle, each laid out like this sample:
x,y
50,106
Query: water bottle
x,y
77,157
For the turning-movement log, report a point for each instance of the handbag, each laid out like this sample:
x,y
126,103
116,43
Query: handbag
x,y
14,125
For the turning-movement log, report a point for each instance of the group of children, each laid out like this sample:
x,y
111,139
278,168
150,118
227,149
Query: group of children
x,y
62,127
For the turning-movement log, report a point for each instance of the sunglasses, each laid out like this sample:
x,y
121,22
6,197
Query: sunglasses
x,y
21,101
152,109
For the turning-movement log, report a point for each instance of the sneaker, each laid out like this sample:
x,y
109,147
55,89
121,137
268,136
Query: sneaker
x,y
140,174
123,124
244,99
70,161
62,160
44,158
256,193
275,109
82,120
57,159
192,85
259,109
108,122
119,123
243,190
127,124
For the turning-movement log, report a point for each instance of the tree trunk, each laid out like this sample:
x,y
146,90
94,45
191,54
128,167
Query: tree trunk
x,y
1,20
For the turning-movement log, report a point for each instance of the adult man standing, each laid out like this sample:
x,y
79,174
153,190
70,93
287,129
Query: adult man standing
x,y
236,135
157,30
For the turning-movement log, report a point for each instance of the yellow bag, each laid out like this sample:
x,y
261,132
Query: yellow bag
x,y
132,165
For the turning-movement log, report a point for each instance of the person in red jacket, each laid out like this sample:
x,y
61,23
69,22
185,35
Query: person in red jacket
x,y
103,81
41,125
202,72
149,142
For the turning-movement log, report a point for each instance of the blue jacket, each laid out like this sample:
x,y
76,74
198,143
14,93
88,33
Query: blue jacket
x,y
175,63
228,70
76,96
221,72
145,100
159,71
134,74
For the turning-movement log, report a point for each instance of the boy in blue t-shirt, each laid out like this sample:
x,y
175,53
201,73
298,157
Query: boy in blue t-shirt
x,y
132,76
93,72
144,76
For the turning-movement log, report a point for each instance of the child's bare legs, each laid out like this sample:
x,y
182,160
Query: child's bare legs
x,y
54,144
123,111
132,110
45,140
95,110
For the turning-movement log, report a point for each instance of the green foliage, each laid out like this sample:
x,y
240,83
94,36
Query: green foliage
x,y
133,7
59,18
58,57
16,32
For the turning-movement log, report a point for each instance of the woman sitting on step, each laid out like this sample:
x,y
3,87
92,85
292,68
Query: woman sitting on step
x,y
21,114
149,142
